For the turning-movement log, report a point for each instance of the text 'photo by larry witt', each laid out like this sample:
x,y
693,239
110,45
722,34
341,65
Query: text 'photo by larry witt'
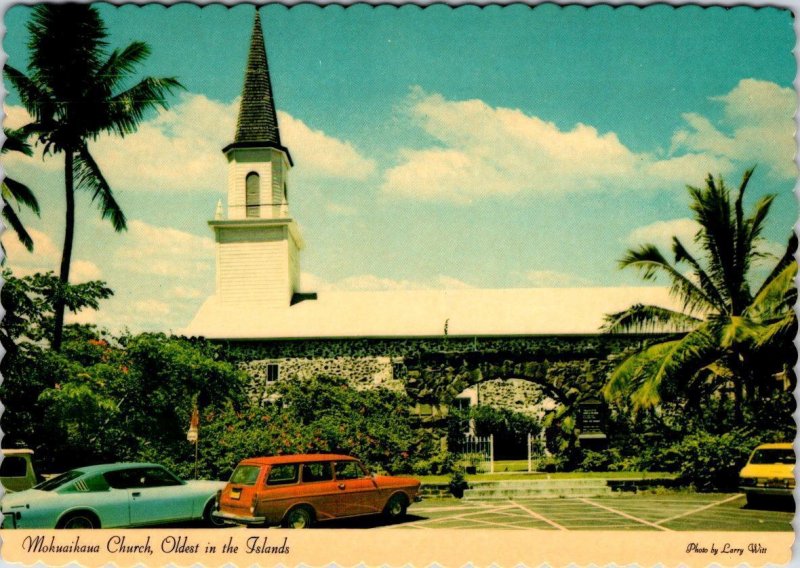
x,y
545,277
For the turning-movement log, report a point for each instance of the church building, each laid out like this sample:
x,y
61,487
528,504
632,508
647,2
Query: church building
x,y
375,337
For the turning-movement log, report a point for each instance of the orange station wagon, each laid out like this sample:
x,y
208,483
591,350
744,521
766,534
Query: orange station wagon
x,y
300,490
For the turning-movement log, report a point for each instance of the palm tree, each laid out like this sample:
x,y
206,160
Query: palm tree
x,y
75,91
14,192
727,334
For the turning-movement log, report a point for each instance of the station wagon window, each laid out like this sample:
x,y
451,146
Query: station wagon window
x,y
283,474
317,472
245,475
349,470
13,466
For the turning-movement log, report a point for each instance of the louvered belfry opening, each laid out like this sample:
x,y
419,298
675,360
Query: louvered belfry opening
x,y
253,194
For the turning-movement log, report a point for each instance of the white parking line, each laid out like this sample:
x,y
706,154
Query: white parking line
x,y
536,515
703,508
626,515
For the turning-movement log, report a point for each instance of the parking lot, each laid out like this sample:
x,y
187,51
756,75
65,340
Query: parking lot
x,y
666,512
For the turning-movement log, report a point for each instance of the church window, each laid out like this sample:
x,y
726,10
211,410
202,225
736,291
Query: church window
x,y
273,372
253,194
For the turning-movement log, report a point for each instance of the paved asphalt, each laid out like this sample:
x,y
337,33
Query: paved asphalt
x,y
675,511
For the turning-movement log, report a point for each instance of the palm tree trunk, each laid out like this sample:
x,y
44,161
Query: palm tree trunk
x,y
66,255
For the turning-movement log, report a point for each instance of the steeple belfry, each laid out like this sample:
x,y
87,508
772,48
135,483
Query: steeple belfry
x,y
258,242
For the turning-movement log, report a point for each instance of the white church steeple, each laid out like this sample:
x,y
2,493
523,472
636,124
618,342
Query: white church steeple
x,y
258,242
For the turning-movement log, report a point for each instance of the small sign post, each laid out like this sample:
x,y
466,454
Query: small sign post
x,y
592,424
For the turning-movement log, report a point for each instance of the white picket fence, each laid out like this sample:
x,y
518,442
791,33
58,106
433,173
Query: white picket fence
x,y
477,451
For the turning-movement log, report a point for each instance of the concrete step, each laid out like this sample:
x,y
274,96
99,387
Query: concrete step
x,y
541,483
534,489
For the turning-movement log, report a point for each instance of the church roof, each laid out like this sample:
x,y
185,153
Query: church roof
x,y
257,124
423,313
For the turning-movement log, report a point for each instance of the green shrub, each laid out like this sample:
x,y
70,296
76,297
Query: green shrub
x,y
712,462
458,483
601,461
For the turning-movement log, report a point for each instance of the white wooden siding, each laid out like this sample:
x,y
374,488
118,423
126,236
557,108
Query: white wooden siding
x,y
253,266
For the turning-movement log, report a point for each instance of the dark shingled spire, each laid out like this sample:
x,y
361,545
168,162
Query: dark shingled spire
x,y
257,125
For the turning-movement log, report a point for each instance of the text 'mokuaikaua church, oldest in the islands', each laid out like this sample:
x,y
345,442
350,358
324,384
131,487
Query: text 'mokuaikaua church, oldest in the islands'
x,y
524,349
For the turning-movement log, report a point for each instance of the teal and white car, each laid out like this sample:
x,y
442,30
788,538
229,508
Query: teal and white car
x,y
111,495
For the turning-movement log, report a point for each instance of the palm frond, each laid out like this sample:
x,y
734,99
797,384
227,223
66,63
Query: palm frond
x,y
778,333
16,141
127,109
88,176
36,100
641,318
21,193
712,209
706,284
16,224
786,260
629,375
122,63
776,297
678,364
738,330
650,262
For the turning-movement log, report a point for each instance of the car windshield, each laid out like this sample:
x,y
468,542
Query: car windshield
x,y
773,456
58,481
245,475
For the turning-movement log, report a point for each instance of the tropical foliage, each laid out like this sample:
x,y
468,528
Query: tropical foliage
x,y
16,194
75,90
728,337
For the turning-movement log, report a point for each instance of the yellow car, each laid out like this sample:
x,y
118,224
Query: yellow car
x,y
769,472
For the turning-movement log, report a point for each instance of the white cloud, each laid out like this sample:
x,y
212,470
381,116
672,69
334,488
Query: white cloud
x,y
179,149
151,307
46,257
760,116
486,151
86,316
339,209
319,155
163,251
555,279
660,233
186,293
83,271
369,282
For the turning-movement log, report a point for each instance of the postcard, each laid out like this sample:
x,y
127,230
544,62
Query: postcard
x,y
505,286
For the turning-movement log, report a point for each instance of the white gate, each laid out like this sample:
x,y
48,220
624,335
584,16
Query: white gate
x,y
537,450
477,452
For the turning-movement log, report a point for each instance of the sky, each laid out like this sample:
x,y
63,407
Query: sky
x,y
504,147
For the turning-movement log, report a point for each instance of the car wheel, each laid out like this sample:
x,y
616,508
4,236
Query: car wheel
x,y
209,519
754,501
298,518
80,520
396,507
